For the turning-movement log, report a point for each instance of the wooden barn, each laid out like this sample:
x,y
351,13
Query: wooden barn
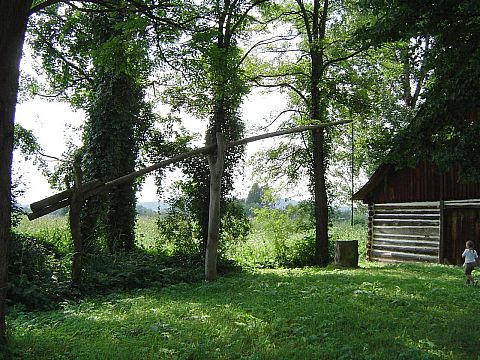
x,y
420,214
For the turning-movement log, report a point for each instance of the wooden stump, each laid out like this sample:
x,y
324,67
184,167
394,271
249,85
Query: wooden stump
x,y
346,253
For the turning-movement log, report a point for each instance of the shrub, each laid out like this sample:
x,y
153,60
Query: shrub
x,y
286,238
180,234
38,272
107,273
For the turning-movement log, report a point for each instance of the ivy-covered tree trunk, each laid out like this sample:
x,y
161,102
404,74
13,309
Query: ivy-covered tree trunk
x,y
224,90
13,24
111,152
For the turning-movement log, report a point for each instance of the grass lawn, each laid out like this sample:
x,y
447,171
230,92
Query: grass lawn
x,y
374,312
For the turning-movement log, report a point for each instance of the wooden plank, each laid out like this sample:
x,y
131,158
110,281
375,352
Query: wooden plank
x,y
208,149
407,211
426,216
405,222
49,209
98,186
406,230
408,237
441,233
403,256
449,202
418,204
36,206
430,244
463,206
45,203
408,249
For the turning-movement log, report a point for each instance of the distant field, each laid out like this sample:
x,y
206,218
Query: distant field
x,y
374,312
258,247
56,227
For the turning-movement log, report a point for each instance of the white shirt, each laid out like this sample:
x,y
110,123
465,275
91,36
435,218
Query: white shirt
x,y
470,256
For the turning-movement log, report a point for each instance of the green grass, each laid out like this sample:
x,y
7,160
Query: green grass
x,y
146,232
56,229
373,312
53,228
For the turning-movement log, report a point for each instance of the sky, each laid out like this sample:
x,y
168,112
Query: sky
x,y
55,123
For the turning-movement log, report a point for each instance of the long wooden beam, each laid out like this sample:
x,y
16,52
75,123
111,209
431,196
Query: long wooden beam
x,y
57,201
67,194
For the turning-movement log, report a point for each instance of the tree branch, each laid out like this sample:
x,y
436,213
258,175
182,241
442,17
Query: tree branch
x,y
281,85
340,59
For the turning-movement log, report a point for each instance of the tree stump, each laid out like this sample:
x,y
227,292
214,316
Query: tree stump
x,y
346,253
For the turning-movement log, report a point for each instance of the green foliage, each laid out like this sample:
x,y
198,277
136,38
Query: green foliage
x,y
375,312
286,237
212,86
38,275
180,234
235,226
445,128
40,257
279,238
25,141
111,273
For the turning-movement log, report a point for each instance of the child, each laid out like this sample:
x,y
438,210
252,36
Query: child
x,y
470,256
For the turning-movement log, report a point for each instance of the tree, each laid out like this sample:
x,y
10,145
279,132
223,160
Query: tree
x,y
446,128
118,120
13,25
255,193
213,87
106,73
317,72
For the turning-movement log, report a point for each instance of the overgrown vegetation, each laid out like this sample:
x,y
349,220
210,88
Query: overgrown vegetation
x,y
41,253
285,238
40,266
374,312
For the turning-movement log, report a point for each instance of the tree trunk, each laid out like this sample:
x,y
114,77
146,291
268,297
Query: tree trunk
x,y
216,171
321,205
75,228
317,112
346,253
13,24
318,154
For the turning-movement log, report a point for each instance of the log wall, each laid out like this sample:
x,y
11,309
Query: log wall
x,y
433,231
401,232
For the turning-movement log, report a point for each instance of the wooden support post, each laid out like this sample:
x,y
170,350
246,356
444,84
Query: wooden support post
x,y
76,202
216,171
346,253
441,245
371,214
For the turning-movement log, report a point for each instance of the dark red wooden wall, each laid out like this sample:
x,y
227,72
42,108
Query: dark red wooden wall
x,y
422,183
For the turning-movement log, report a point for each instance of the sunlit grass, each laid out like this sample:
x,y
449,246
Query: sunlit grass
x,y
56,229
146,232
374,312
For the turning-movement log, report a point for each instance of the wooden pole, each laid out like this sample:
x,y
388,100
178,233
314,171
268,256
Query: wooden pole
x,y
352,179
217,167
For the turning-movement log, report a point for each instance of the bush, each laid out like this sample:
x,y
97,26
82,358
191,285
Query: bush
x,y
38,272
286,238
279,238
107,273
179,234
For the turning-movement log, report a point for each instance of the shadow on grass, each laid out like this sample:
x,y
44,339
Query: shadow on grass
x,y
398,312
